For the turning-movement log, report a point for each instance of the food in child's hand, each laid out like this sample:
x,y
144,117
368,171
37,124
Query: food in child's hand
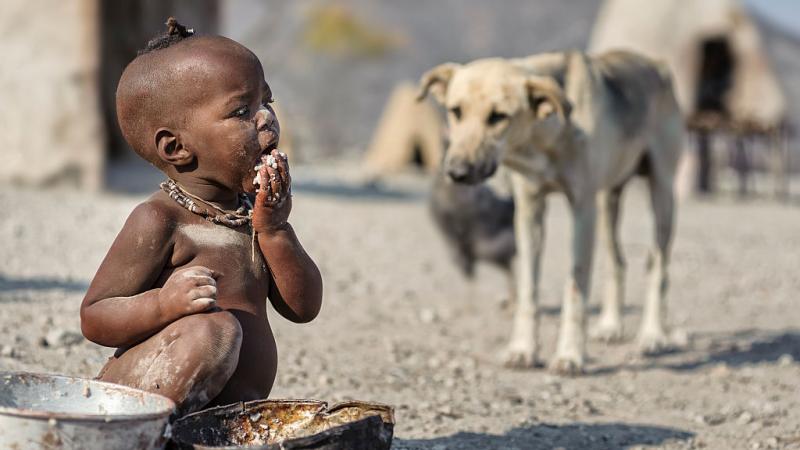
x,y
270,161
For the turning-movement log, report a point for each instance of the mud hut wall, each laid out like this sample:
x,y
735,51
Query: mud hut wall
x,y
675,33
50,125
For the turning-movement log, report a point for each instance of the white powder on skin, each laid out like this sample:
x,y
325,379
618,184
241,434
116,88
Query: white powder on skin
x,y
214,236
221,237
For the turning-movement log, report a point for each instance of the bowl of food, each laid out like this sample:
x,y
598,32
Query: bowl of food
x,y
59,412
287,424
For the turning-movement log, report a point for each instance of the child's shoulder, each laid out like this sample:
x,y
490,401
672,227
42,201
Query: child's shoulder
x,y
158,216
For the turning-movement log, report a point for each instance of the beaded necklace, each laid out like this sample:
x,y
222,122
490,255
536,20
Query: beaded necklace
x,y
233,219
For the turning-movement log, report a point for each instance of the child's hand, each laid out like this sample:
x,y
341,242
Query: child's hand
x,y
274,199
188,291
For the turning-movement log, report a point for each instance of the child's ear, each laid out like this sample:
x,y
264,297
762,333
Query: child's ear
x,y
170,148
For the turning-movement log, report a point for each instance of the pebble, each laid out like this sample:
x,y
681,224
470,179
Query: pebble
x,y
8,351
786,360
427,315
721,370
448,411
61,338
713,419
744,418
325,380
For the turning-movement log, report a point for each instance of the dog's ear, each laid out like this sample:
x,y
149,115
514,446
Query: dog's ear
x,y
546,97
435,81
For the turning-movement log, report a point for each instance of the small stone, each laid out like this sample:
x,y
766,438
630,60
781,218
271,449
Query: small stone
x,y
786,360
447,410
713,419
720,371
744,418
325,380
772,442
680,338
7,351
61,338
427,315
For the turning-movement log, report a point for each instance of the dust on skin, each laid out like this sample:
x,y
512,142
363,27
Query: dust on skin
x,y
213,236
222,237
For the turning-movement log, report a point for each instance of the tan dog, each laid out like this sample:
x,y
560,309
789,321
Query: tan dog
x,y
584,126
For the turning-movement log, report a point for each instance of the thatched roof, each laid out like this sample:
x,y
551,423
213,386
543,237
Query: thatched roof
x,y
409,131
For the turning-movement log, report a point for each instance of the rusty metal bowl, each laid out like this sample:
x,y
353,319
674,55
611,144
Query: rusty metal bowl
x,y
287,424
43,411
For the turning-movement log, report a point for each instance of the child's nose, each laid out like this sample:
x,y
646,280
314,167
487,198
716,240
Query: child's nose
x,y
264,117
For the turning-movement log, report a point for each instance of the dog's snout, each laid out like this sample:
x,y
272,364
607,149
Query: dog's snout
x,y
459,172
465,172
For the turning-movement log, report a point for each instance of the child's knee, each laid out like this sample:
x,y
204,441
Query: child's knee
x,y
220,332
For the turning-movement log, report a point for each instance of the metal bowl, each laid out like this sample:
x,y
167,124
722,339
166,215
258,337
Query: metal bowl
x,y
287,424
43,411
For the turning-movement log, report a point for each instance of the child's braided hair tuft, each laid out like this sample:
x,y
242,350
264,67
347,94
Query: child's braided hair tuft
x,y
175,33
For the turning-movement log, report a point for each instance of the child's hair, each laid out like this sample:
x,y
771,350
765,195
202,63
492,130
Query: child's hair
x,y
175,33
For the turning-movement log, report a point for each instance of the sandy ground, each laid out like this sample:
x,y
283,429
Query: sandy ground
x,y
401,326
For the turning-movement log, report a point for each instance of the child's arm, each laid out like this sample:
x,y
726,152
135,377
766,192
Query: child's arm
x,y
296,291
121,308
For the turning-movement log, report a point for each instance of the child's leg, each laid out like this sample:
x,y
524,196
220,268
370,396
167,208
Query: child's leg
x,y
189,361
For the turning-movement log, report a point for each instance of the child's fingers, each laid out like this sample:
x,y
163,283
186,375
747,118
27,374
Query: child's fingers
x,y
263,176
202,304
264,197
283,170
203,280
206,291
275,184
199,270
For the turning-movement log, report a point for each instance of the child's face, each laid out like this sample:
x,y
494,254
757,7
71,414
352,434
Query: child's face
x,y
231,123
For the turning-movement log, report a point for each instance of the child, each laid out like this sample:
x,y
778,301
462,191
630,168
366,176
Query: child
x,y
181,293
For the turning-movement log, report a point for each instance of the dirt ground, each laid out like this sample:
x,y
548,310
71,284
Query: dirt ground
x,y
401,326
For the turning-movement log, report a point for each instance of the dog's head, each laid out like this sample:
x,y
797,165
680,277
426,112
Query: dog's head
x,y
493,107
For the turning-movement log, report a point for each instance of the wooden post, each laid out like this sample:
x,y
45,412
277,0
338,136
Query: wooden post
x,y
705,162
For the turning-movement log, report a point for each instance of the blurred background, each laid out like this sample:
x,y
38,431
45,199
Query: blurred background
x,y
333,65
400,324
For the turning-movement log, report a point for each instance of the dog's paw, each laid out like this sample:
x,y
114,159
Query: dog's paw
x,y
520,358
567,366
607,332
652,344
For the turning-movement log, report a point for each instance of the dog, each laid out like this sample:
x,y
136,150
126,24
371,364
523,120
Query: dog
x,y
476,222
582,125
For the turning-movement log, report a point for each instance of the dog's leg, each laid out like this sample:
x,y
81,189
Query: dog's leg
x,y
571,347
609,326
653,336
529,232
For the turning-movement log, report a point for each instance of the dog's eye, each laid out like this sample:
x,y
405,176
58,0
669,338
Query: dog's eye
x,y
496,117
456,110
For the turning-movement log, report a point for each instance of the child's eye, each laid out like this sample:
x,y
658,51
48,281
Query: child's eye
x,y
244,111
